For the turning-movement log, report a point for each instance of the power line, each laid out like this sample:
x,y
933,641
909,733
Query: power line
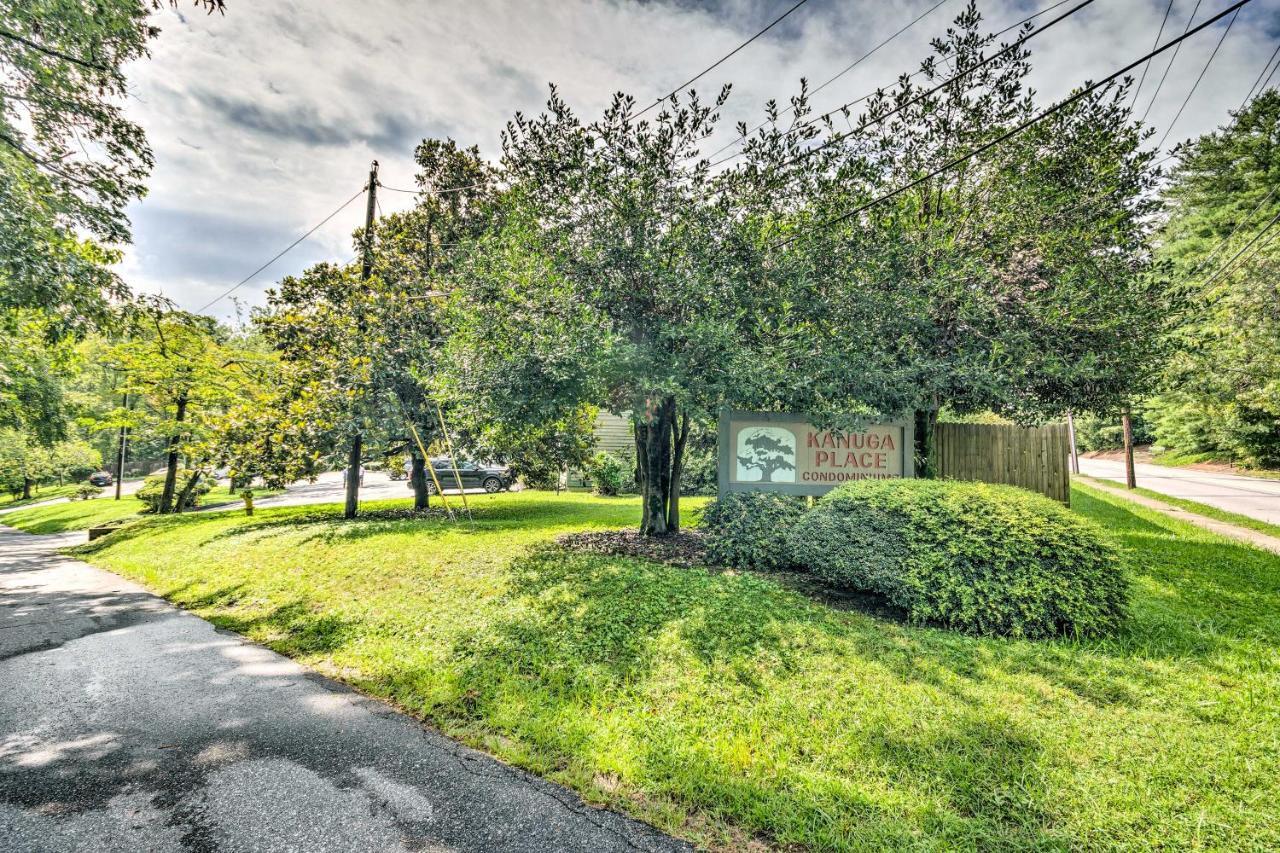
x,y
1167,9
920,97
1172,59
1256,237
845,71
1041,116
448,191
1227,239
280,254
1168,130
826,115
1261,73
717,63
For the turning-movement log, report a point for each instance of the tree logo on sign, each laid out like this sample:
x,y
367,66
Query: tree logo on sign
x,y
771,451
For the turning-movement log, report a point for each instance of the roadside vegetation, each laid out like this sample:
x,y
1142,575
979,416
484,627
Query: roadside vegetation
x,y
722,704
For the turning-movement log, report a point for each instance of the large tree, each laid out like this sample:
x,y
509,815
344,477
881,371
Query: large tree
x,y
70,159
1016,280
617,274
1221,390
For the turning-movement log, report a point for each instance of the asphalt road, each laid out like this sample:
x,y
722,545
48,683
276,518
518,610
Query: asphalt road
x,y
328,489
1251,496
127,724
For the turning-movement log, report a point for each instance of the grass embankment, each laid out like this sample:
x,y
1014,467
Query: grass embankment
x,y
40,494
81,515
716,703
1198,508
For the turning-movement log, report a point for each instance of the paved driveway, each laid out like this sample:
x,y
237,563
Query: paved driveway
x,y
1251,496
128,725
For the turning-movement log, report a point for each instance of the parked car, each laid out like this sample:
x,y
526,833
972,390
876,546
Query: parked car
x,y
101,478
491,478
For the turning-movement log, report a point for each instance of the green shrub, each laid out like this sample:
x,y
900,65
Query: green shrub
x,y
86,491
607,473
975,557
749,529
153,488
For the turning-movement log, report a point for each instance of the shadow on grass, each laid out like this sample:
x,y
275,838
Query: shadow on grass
x,y
296,627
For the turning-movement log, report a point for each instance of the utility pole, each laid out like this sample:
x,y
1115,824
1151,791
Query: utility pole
x,y
1126,421
366,270
120,449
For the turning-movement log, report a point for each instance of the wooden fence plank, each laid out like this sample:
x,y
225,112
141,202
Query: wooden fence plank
x,y
1033,458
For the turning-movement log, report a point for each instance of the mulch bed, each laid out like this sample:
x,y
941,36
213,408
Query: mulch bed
x,y
684,549
687,550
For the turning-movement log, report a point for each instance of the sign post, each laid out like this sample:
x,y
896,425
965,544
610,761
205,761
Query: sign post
x,y
781,452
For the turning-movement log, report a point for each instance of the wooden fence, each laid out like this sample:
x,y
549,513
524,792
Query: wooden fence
x,y
1034,458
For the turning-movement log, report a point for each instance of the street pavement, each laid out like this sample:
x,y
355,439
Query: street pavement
x,y
328,489
1251,496
127,724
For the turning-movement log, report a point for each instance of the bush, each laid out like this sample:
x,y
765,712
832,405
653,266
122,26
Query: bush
x,y
979,558
153,488
749,529
607,473
86,491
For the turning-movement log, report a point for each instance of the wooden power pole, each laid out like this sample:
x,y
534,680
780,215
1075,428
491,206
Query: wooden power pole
x,y
366,270
1071,436
1126,421
121,448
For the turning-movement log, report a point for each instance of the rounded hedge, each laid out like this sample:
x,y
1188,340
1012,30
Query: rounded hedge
x,y
970,556
749,529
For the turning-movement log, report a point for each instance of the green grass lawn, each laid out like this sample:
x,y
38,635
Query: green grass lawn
x,y
1199,508
42,493
81,515
725,705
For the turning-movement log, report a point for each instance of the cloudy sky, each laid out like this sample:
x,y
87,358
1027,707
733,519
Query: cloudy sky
x,y
264,121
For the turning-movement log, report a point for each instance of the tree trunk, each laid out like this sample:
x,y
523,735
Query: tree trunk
x,y
926,443
418,479
353,477
677,469
171,469
186,491
659,457
1126,422
26,488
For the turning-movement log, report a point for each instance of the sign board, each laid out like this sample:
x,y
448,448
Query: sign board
x,y
774,452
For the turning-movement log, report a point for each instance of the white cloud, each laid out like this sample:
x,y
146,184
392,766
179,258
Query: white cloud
x,y
265,120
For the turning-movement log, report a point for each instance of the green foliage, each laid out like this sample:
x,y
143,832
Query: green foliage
x,y
1221,390
978,558
153,488
750,529
1098,432
70,159
85,492
607,473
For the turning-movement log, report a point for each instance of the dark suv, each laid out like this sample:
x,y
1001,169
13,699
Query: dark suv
x,y
101,478
491,478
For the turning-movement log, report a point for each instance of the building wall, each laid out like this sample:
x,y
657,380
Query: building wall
x,y
613,433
